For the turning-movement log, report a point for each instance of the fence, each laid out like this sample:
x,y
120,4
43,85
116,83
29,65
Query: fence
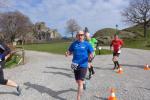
x,y
18,51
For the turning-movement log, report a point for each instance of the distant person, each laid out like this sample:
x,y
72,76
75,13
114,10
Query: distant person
x,y
81,51
117,44
93,42
4,55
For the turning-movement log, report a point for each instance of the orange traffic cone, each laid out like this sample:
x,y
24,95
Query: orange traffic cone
x,y
112,96
146,67
120,70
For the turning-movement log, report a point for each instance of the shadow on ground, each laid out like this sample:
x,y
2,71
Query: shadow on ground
x,y
102,68
12,93
65,69
100,98
129,65
144,88
60,73
50,92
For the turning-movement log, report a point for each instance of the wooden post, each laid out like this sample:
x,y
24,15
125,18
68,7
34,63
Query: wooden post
x,y
23,56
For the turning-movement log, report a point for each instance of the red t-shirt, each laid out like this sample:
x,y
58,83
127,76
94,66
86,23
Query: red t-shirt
x,y
116,44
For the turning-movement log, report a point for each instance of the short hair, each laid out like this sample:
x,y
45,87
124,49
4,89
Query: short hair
x,y
80,31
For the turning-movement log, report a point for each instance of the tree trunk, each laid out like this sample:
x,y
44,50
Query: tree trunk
x,y
12,38
72,35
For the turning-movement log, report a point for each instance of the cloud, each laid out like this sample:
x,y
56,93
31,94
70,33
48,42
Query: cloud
x,y
95,14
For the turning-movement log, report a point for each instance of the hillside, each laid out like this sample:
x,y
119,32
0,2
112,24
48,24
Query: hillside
x,y
132,36
137,29
105,35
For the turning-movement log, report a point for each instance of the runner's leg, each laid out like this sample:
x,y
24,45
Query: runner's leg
x,y
117,62
7,82
80,89
79,77
93,72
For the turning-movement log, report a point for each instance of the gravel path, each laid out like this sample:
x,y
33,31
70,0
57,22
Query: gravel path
x,y
49,77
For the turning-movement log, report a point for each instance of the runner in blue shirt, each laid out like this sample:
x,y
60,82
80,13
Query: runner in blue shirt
x,y
81,51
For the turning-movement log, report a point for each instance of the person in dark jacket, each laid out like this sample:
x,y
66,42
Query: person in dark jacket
x,y
4,55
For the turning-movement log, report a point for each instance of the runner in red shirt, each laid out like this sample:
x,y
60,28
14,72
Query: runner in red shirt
x,y
116,43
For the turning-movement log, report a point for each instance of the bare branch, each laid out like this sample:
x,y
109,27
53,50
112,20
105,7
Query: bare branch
x,y
138,12
72,26
14,24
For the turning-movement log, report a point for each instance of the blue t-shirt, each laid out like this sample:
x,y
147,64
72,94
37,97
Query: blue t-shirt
x,y
80,51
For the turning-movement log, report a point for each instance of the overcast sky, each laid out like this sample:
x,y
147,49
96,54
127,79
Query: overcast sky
x,y
94,14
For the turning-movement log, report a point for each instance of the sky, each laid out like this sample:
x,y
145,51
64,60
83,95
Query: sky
x,y
94,14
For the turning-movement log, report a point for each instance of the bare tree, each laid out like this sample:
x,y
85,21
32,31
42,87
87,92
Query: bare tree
x,y
72,27
138,12
14,25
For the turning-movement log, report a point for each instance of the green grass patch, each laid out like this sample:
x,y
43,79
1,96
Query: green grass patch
x,y
13,61
103,52
138,44
56,48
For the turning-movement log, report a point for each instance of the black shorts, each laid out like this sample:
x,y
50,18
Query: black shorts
x,y
2,80
116,54
80,73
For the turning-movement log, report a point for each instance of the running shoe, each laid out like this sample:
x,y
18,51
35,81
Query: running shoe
x,y
89,76
18,90
93,72
84,85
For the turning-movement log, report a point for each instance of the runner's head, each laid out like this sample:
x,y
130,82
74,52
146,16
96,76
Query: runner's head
x,y
87,35
80,35
116,37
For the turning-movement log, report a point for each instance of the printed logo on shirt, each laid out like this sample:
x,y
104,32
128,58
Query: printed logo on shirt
x,y
82,47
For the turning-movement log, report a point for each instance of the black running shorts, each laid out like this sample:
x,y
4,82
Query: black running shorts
x,y
116,54
2,80
80,73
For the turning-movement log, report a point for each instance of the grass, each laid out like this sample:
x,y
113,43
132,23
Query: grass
x,y
56,48
138,30
103,52
13,61
138,44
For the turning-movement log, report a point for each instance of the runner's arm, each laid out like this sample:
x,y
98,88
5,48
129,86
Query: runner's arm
x,y
70,50
111,46
91,55
122,43
90,51
7,56
68,53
